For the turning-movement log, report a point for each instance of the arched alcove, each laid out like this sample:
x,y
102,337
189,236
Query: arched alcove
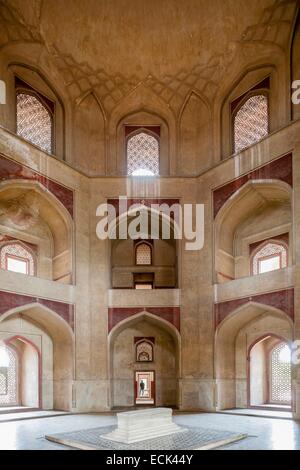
x,y
45,333
142,107
22,73
123,364
233,338
30,213
261,79
260,209
164,251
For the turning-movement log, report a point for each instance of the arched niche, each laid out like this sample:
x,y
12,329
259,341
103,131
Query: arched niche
x,y
32,76
233,338
29,213
89,152
196,139
260,209
141,107
123,364
143,120
49,334
295,64
252,81
165,252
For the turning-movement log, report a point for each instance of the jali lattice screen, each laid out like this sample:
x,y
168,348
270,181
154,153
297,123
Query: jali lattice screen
x,y
143,254
142,154
280,390
251,122
34,121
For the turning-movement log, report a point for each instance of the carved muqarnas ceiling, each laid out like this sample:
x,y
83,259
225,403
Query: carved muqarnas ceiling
x,y
82,67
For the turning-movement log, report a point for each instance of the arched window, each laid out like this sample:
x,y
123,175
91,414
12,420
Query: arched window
x,y
16,257
144,351
269,257
250,121
280,374
8,377
34,120
142,155
143,254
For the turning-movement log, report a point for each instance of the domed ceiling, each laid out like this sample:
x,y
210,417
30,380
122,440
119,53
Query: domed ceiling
x,y
170,46
141,37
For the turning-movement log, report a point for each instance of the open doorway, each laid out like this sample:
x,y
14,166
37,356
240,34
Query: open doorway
x,y
270,373
19,374
144,383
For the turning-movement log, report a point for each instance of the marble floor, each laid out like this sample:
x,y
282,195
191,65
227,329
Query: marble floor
x,y
259,412
263,433
28,414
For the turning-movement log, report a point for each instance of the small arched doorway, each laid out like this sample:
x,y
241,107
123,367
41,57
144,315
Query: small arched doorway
x,y
270,372
20,373
43,342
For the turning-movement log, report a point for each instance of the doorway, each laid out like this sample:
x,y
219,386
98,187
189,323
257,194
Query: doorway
x,y
144,383
270,373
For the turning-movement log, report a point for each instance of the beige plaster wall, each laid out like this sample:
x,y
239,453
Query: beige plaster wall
x,y
196,157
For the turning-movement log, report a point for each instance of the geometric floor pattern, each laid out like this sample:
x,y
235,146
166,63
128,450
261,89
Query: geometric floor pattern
x,y
192,439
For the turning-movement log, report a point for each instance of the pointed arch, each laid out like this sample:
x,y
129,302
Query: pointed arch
x,y
142,108
62,337
37,79
155,321
89,147
233,336
44,205
254,197
167,249
195,126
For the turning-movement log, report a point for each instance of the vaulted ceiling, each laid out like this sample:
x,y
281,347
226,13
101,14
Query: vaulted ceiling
x,y
170,46
141,37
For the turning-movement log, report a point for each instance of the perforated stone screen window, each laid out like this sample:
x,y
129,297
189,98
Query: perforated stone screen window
x,y
3,380
270,257
143,254
34,121
280,390
144,352
251,122
15,257
8,377
142,155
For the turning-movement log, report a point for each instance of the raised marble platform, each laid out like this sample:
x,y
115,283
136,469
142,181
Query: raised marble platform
x,y
193,439
140,425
